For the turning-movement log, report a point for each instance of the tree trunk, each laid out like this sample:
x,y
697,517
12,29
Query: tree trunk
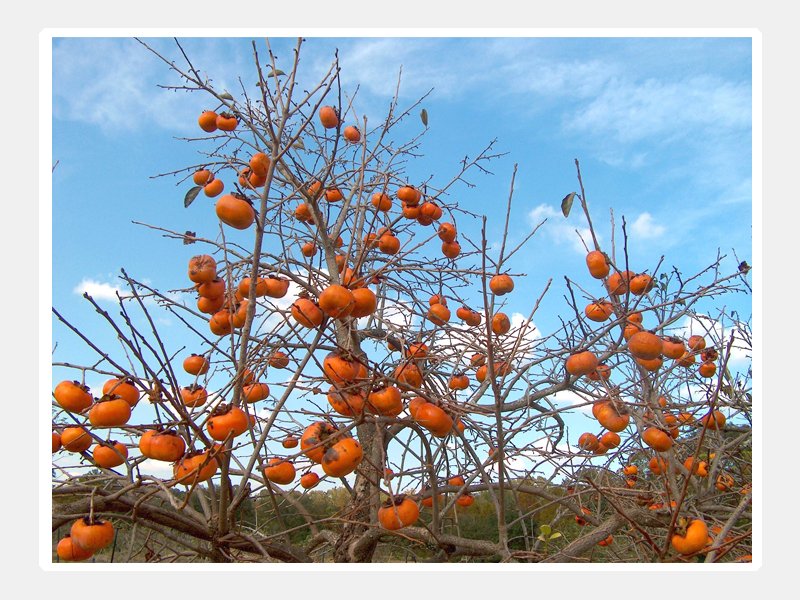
x,y
363,507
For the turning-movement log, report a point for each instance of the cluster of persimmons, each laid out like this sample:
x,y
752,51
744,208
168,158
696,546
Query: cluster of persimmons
x,y
355,389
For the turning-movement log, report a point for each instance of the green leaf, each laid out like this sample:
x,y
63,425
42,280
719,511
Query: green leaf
x,y
566,204
545,529
226,96
555,536
423,114
541,538
275,73
191,195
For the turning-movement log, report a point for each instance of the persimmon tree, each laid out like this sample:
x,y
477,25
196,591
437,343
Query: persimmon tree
x,y
347,334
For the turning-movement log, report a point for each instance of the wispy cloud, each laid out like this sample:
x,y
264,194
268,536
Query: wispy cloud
x,y
560,230
645,227
630,111
716,335
111,84
97,289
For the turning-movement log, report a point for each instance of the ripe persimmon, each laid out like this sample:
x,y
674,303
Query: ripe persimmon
x,y
598,264
195,468
641,284
110,455
388,243
451,249
652,364
696,467
207,121
226,121
340,367
194,395
277,287
601,372
165,446
202,268
692,538
673,347
696,343
342,458
458,381
259,164
309,480
599,311
314,440
328,117
202,177
110,413
707,369
235,211
333,194
501,284
438,314
610,417
364,302
352,134
280,471
308,249
410,212
211,289
447,232
71,552
618,281
213,188
304,213
245,283
227,420
409,195
434,419
715,420
73,396
657,439
386,401
307,312
501,324
195,364
75,439
588,441
92,535
397,513
345,402
645,345
582,363
336,301
255,392
579,519
381,201
278,360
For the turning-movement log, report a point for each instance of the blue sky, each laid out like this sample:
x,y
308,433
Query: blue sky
x,y
662,127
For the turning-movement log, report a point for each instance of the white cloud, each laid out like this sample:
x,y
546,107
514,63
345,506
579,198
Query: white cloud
x,y
567,399
645,227
561,230
715,335
156,468
395,317
631,111
97,289
530,337
112,84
